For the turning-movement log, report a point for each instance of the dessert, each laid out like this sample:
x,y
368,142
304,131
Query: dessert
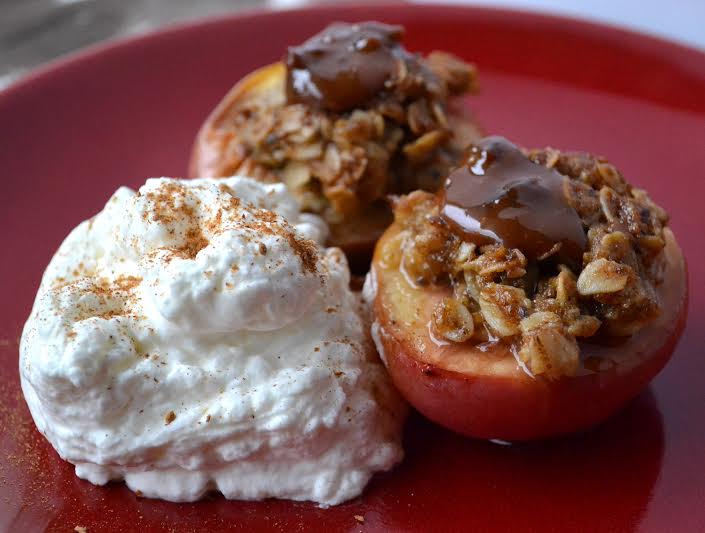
x,y
347,118
532,296
196,336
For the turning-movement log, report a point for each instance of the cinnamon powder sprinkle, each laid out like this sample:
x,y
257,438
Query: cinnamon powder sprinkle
x,y
114,297
170,417
214,224
195,242
307,252
127,283
169,203
269,223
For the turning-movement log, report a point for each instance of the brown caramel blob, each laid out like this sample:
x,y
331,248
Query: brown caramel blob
x,y
498,195
344,66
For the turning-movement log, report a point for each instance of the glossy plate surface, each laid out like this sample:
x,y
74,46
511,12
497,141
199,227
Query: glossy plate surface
x,y
70,135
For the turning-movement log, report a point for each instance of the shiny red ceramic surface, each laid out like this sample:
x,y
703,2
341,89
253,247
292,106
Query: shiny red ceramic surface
x,y
73,133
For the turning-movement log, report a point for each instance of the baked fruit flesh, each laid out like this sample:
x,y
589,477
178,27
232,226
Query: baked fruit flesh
x,y
533,296
347,118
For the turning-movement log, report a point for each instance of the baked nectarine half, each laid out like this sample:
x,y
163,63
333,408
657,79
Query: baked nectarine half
x,y
348,117
497,338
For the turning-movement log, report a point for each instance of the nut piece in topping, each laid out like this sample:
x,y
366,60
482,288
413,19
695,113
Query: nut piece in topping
x,y
546,347
453,321
602,276
502,306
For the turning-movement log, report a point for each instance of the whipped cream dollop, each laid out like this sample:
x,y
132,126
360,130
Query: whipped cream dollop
x,y
197,336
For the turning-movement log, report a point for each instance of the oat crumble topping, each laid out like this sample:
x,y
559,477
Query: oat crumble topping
x,y
542,306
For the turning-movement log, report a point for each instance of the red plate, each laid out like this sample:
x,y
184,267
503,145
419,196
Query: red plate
x,y
119,114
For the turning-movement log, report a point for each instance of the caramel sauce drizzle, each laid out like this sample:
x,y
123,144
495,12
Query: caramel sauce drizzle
x,y
498,195
344,66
